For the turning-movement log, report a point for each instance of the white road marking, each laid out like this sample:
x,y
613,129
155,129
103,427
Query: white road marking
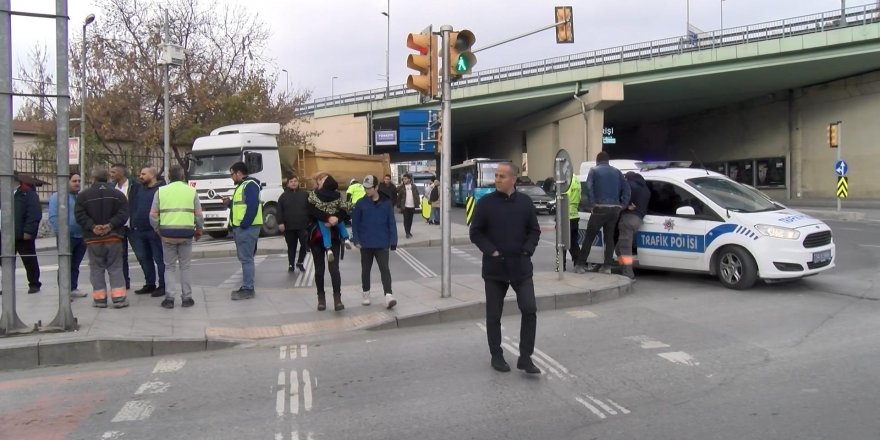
x,y
134,410
307,278
622,409
307,390
235,278
419,267
592,408
294,392
295,435
279,436
304,350
646,342
679,357
154,387
280,395
602,405
110,435
552,361
870,245
168,365
581,314
283,352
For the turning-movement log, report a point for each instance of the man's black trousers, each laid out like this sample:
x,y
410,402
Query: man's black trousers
x,y
294,237
381,257
525,299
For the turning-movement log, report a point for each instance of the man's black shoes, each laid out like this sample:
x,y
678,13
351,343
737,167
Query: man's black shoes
x,y
160,291
168,303
188,302
499,364
148,288
300,267
527,365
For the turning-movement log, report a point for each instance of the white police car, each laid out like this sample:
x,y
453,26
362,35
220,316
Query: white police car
x,y
702,221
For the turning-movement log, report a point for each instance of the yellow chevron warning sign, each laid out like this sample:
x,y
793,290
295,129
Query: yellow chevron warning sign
x,y
469,209
842,187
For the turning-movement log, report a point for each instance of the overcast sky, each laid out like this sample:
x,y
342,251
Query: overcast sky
x,y
316,40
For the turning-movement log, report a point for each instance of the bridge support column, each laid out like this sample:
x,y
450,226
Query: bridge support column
x,y
599,97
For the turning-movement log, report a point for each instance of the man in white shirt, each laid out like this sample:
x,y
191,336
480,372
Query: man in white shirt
x,y
121,181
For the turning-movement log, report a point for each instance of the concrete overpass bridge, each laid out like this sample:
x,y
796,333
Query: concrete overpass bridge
x,y
736,97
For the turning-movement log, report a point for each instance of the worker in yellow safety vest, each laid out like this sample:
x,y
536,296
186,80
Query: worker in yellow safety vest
x,y
245,218
176,215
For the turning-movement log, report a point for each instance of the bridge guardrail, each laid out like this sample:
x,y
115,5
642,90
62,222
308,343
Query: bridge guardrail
x,y
806,24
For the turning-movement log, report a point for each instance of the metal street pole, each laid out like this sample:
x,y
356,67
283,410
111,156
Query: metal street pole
x,y
387,15
167,149
82,107
445,171
286,82
64,320
10,323
839,154
333,87
721,5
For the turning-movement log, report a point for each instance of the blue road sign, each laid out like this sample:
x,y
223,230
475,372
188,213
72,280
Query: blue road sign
x,y
420,118
840,167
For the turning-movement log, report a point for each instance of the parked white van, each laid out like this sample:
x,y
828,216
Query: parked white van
x,y
702,221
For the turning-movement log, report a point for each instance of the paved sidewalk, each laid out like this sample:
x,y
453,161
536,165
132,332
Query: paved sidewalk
x,y
145,329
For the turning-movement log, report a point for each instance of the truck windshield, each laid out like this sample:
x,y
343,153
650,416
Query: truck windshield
x,y
214,165
732,195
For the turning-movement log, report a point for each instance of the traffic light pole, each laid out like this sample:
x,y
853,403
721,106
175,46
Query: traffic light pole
x,y
839,154
445,171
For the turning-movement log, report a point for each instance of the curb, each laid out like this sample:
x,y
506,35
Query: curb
x,y
847,216
75,349
220,253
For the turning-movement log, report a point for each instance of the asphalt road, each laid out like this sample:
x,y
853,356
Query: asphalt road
x,y
680,358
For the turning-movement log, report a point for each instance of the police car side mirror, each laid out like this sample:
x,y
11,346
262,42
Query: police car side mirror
x,y
685,211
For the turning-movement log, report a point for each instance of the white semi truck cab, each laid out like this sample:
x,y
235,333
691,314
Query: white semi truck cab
x,y
255,145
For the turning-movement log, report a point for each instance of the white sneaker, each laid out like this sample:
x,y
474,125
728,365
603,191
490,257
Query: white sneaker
x,y
76,293
366,300
348,244
330,256
390,302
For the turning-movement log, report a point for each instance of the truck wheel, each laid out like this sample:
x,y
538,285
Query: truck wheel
x,y
218,234
735,267
270,221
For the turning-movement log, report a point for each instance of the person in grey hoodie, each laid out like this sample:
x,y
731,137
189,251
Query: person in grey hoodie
x,y
608,194
630,220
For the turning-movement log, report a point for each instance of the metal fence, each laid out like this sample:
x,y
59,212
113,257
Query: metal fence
x,y
45,169
807,24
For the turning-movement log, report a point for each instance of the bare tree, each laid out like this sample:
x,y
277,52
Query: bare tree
x,y
225,79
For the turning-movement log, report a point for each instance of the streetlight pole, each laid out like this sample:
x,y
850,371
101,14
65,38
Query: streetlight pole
x,y
82,107
286,82
387,15
333,87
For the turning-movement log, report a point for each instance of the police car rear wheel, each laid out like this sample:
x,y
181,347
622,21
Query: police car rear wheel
x,y
736,269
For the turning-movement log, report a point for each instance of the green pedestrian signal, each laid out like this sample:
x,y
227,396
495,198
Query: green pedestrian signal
x,y
461,59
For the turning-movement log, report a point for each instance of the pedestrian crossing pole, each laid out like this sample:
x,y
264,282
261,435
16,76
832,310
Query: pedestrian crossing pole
x,y
445,170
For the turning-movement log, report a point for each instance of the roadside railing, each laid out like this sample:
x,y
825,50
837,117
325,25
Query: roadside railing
x,y
806,24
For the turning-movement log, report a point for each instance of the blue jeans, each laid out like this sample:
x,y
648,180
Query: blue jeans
x,y
325,233
77,253
435,216
245,247
147,248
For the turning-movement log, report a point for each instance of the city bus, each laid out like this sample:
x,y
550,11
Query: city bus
x,y
476,174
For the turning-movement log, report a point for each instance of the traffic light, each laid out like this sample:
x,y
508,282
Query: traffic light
x,y
425,62
833,135
461,59
565,30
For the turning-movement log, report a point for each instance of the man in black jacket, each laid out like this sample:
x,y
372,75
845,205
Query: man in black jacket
x,y
505,229
293,211
102,212
27,224
388,188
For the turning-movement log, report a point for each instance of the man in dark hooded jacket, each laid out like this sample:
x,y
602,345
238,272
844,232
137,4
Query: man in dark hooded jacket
x,y
630,220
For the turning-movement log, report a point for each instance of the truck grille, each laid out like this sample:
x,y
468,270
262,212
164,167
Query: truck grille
x,y
817,239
